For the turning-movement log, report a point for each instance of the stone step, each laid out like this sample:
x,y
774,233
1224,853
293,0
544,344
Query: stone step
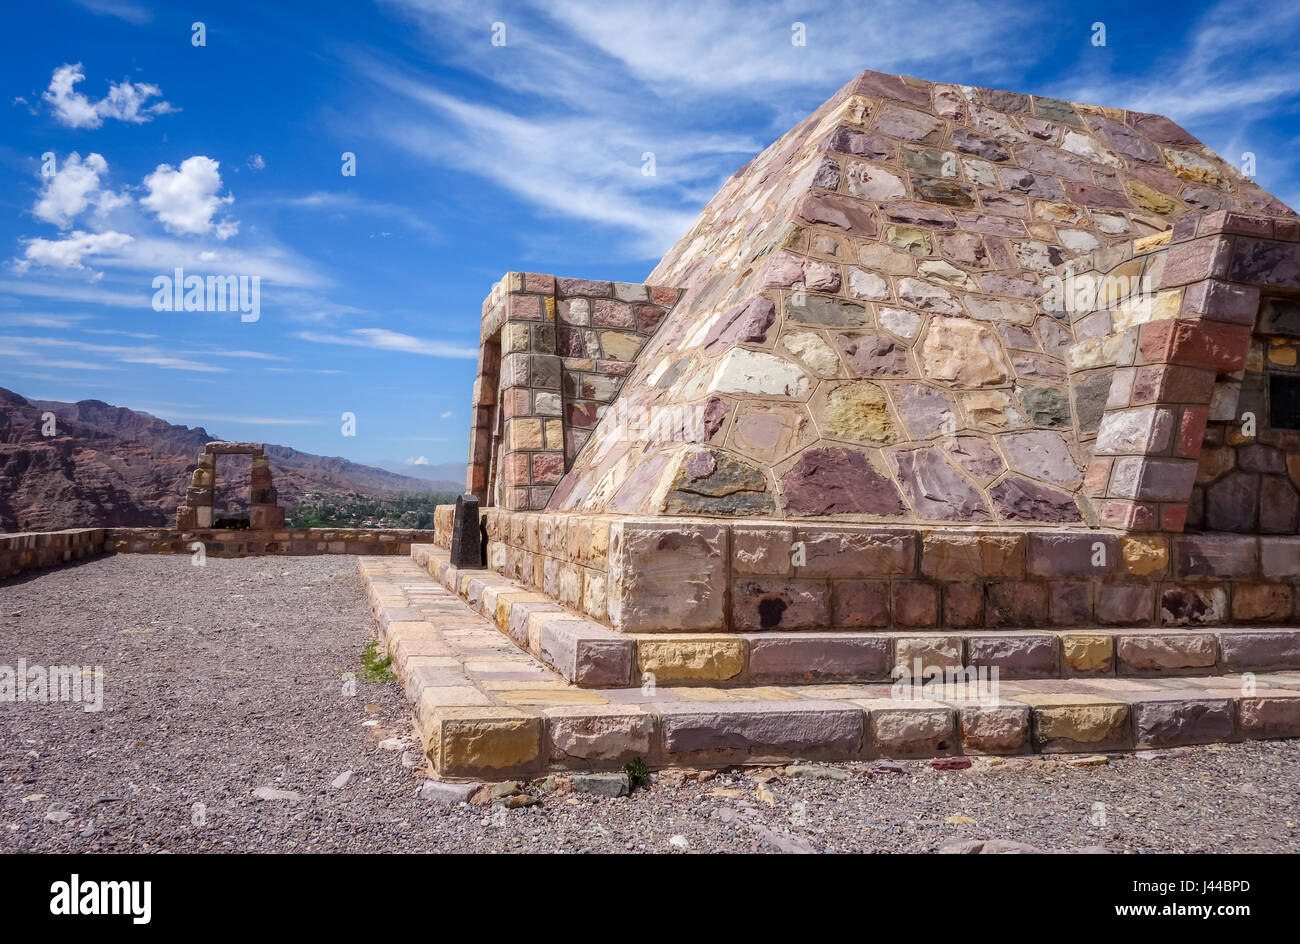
x,y
487,709
593,656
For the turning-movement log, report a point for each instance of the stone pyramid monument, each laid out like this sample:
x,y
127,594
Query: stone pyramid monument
x,y
945,373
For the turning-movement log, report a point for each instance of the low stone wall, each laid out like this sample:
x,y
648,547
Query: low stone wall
x,y
706,575
29,551
293,542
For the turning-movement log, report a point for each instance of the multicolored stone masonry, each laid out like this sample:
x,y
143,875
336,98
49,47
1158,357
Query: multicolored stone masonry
x,y
554,355
263,512
870,326
673,576
941,357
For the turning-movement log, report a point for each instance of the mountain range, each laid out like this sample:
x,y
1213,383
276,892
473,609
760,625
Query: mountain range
x,y
110,466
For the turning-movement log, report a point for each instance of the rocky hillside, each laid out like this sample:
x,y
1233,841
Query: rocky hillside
x,y
107,465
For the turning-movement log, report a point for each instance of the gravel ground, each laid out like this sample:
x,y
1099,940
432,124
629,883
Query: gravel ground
x,y
227,678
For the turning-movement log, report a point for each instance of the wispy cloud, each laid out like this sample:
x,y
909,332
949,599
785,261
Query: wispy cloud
x,y
150,355
136,13
75,292
381,339
594,95
33,320
166,413
1237,56
346,205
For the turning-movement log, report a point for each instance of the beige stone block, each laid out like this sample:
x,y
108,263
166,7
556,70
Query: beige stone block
x,y
994,729
525,433
610,733
909,729
933,650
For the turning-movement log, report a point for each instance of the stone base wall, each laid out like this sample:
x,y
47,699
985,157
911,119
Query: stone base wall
x,y
252,543
30,551
705,575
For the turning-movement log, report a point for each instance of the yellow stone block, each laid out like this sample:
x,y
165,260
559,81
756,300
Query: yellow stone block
x,y
1145,555
1147,243
507,600
1077,719
1088,652
691,658
479,742
1149,198
554,434
1281,352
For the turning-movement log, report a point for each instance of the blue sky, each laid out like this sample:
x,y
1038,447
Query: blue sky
x,y
472,159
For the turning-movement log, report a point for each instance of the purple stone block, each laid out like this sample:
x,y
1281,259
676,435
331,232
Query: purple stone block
x,y
1163,723
814,657
1023,655
1218,555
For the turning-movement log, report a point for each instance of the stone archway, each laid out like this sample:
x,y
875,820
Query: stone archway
x,y
263,511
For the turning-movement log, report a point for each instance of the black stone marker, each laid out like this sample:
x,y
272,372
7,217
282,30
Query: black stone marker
x,y
466,548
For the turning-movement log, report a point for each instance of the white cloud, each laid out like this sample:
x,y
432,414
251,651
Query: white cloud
x,y
33,320
118,331
75,293
168,414
123,10
447,415
348,204
417,460
166,359
185,199
72,188
125,101
150,355
585,87
67,253
384,340
256,162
